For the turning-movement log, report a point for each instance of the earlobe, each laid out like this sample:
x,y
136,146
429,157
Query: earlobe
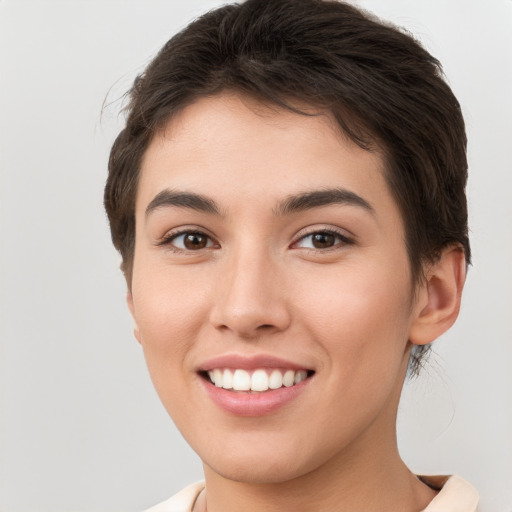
x,y
439,297
129,301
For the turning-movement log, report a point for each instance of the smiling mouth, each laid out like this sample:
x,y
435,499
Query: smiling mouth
x,y
258,381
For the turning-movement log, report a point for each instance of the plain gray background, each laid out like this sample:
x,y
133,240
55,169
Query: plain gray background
x,y
81,427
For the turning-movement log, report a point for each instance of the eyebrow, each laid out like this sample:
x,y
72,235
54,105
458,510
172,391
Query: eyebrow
x,y
189,200
292,204
319,198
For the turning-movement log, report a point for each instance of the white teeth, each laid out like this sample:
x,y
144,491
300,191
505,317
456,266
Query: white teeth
x,y
260,380
288,378
241,381
276,380
227,379
217,377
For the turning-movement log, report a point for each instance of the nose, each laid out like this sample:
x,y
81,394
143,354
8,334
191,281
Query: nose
x,y
250,298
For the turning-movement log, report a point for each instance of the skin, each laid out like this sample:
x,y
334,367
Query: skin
x,y
347,310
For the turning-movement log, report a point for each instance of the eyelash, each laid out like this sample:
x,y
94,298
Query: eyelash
x,y
171,237
342,239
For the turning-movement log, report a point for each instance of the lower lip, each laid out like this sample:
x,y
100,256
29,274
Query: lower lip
x,y
242,403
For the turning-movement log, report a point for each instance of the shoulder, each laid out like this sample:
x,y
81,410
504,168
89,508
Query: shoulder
x,y
455,494
180,502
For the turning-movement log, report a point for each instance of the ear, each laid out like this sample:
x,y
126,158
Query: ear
x,y
129,301
439,297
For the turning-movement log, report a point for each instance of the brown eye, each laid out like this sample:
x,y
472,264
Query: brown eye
x,y
190,241
194,241
323,240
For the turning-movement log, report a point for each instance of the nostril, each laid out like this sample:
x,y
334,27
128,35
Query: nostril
x,y
249,317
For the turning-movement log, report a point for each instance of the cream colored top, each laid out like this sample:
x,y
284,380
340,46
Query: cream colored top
x,y
456,495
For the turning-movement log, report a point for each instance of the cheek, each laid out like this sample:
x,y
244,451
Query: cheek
x,y
361,324
170,310
168,323
361,318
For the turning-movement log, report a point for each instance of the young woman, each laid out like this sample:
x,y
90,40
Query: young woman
x,y
288,200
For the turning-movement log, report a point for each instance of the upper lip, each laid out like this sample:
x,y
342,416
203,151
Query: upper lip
x,y
252,362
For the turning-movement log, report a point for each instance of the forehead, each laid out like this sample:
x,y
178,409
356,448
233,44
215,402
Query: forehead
x,y
237,148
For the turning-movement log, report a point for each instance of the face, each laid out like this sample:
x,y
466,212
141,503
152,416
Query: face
x,y
271,289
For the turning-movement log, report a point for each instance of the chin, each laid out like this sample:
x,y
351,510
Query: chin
x,y
268,462
261,471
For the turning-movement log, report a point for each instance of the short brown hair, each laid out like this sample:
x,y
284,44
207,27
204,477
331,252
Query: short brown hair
x,y
384,89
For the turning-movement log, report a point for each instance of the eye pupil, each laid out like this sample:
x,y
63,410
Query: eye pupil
x,y
323,240
195,241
